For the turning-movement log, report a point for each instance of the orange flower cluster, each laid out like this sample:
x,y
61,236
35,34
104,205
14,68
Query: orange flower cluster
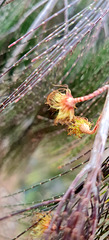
x,y
41,226
62,101
78,126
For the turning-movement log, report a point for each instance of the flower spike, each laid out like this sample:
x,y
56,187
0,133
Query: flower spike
x,y
63,102
41,227
81,126
78,126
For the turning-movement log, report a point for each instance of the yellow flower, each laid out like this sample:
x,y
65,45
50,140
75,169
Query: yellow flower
x,y
62,101
78,126
42,225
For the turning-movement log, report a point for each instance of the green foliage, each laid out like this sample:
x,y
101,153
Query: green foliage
x,y
32,148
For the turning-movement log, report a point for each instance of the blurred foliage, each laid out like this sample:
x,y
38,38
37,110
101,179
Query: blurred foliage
x,y
31,147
